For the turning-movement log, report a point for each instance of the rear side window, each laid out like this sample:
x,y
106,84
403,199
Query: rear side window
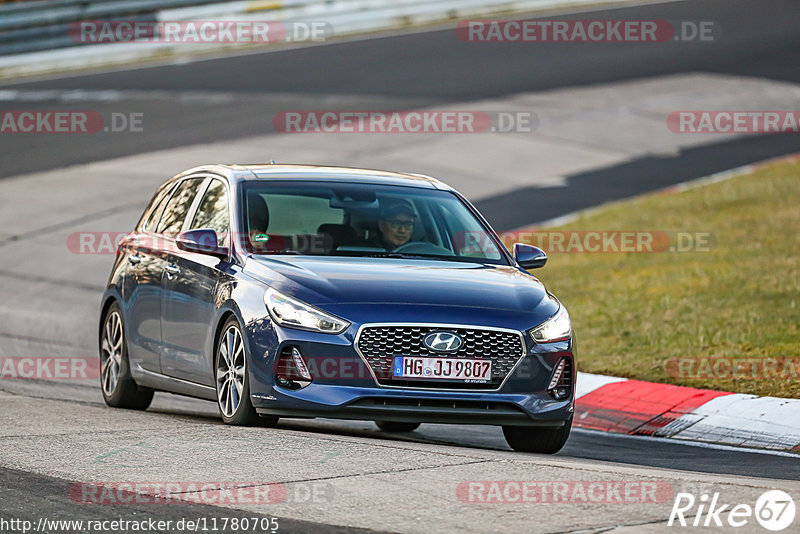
x,y
213,210
154,209
178,206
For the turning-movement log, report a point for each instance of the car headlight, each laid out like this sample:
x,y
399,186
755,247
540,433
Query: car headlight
x,y
556,328
292,313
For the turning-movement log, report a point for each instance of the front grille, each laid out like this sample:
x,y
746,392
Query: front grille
x,y
380,344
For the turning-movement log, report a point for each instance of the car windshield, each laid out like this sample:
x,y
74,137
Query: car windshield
x,y
340,219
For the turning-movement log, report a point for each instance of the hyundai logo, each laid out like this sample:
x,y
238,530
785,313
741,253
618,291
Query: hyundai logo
x,y
443,341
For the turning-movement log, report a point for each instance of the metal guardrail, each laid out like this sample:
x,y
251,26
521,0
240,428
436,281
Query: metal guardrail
x,y
43,25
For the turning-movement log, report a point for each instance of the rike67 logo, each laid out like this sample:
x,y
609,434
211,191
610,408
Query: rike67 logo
x,y
774,510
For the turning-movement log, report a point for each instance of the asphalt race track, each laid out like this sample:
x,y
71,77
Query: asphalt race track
x,y
54,434
400,72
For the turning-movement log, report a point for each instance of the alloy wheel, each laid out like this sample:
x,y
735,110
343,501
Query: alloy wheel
x,y
111,352
230,371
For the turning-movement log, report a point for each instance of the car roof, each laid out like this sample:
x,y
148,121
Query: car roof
x,y
317,173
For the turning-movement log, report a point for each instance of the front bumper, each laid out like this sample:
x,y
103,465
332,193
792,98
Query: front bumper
x,y
415,406
345,387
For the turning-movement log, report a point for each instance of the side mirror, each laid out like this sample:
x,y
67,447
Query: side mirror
x,y
203,241
528,256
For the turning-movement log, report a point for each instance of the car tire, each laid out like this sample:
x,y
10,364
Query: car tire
x,y
232,377
389,426
534,439
116,383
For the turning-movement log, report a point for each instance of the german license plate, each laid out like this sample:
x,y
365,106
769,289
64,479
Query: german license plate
x,y
461,369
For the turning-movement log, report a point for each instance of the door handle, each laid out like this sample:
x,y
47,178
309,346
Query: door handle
x,y
172,269
135,260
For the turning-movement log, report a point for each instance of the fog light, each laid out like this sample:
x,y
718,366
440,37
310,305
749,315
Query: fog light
x,y
292,371
561,393
284,382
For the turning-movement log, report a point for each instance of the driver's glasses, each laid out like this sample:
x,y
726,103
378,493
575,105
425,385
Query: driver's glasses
x,y
397,224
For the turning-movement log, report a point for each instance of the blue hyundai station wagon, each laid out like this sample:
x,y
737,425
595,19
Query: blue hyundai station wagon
x,y
305,291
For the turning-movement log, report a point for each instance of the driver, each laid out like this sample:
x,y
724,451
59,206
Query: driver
x,y
396,224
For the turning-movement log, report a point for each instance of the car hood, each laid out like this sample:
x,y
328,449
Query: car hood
x,y
338,284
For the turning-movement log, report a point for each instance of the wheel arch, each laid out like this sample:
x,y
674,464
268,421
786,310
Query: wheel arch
x,y
224,316
108,301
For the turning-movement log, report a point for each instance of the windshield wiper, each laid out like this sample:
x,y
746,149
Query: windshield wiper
x,y
440,257
402,255
384,255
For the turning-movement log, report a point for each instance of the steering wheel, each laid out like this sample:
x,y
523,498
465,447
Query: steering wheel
x,y
423,247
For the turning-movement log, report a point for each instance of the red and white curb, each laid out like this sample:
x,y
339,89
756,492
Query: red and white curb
x,y
635,407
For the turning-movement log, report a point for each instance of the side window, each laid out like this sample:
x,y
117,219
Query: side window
x,y
213,211
178,206
153,210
